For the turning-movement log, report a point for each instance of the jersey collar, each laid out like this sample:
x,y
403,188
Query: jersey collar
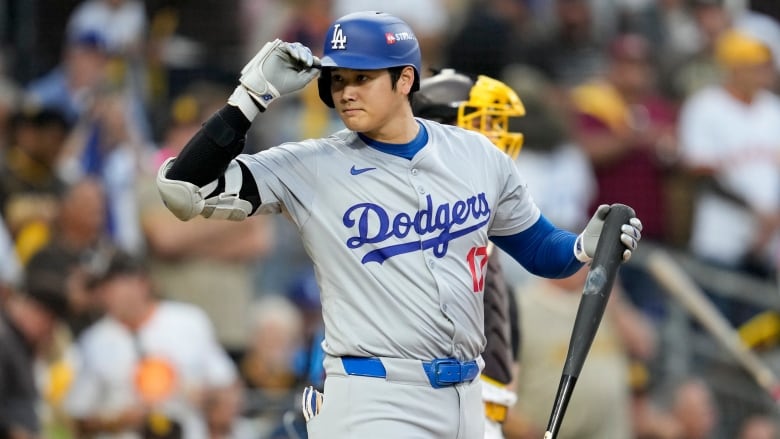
x,y
403,150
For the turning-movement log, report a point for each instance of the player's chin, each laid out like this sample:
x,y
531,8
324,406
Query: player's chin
x,y
355,122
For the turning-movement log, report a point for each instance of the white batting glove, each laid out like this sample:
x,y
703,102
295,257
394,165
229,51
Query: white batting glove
x,y
279,68
585,245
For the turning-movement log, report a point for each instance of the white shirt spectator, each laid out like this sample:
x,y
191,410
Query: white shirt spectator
x,y
741,141
109,353
123,25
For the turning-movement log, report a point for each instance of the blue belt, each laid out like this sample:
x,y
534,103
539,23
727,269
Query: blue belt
x,y
441,372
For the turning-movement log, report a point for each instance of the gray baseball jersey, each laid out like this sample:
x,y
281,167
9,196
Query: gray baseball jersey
x,y
399,246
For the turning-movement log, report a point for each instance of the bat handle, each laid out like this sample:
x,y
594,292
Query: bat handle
x,y
565,389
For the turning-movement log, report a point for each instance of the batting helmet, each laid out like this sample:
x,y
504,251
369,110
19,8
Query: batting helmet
x,y
368,41
484,105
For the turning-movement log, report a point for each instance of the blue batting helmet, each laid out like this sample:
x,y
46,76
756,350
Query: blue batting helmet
x,y
368,41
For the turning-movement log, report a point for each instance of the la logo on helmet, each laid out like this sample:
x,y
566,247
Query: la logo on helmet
x,y
339,40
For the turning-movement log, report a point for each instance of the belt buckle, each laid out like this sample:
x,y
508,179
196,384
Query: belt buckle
x,y
444,369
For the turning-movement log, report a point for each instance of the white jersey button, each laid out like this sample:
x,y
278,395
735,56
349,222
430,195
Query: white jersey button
x,y
414,171
431,264
420,189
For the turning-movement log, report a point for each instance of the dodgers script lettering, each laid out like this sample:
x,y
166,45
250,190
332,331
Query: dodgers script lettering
x,y
435,225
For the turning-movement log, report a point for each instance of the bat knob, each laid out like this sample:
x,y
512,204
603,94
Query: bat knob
x,y
547,435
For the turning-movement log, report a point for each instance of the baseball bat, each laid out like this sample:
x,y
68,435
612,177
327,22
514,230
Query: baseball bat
x,y
679,285
595,294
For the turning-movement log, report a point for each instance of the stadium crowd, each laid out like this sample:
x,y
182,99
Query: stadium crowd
x,y
117,320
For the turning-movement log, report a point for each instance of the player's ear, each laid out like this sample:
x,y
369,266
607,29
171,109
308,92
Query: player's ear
x,y
406,80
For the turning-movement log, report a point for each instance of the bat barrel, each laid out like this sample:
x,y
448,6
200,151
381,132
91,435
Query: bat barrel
x,y
598,285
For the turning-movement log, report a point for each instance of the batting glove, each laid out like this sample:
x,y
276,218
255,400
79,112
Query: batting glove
x,y
311,402
279,68
585,245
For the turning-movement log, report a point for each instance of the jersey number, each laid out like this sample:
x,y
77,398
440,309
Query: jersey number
x,y
477,258
339,40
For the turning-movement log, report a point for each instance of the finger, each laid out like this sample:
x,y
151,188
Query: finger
x,y
320,398
628,241
626,255
632,231
602,211
636,223
301,54
313,409
306,403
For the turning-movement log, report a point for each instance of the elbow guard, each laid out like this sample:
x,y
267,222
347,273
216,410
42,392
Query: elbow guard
x,y
186,200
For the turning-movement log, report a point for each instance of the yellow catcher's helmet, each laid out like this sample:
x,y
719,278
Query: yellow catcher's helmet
x,y
484,105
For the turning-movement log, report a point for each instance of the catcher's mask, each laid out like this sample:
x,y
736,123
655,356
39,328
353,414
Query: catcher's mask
x,y
484,105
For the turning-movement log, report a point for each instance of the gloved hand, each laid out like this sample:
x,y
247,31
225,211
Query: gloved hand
x,y
279,68
585,245
311,402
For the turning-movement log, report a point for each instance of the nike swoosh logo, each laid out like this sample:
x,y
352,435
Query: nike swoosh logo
x,y
355,171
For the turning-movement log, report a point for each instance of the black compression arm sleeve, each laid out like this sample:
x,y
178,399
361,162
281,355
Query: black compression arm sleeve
x,y
211,149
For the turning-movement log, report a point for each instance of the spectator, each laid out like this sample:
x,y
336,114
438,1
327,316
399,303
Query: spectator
x,y
121,22
51,269
652,420
489,35
269,366
600,406
700,69
759,427
628,144
146,360
730,135
276,337
70,86
110,151
79,228
572,52
27,322
190,261
29,183
223,411
628,132
695,410
79,240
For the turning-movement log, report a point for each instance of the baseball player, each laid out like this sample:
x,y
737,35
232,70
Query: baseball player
x,y
396,215
484,105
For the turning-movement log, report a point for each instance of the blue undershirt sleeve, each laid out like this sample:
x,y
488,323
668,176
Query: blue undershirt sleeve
x,y
542,249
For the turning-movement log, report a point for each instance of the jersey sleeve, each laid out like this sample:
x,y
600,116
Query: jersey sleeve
x,y
284,176
515,210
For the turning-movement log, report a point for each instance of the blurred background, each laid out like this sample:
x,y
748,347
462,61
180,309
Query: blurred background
x,y
119,321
